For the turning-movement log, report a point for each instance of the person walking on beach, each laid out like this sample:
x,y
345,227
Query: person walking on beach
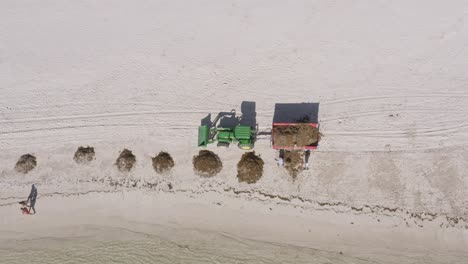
x,y
32,199
306,159
280,160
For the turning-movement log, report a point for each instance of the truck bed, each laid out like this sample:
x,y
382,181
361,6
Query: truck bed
x,y
293,115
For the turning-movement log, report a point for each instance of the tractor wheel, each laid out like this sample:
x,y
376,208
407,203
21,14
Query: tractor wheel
x,y
245,146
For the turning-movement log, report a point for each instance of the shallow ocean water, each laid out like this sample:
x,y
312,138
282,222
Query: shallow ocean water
x,y
97,244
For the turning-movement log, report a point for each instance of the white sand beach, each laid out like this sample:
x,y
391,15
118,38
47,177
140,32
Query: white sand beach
x,y
387,183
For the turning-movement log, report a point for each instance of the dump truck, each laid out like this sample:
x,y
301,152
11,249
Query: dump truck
x,y
295,127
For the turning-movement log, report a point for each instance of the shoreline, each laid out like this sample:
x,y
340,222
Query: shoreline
x,y
357,236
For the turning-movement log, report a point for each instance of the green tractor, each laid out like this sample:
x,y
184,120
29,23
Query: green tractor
x,y
224,136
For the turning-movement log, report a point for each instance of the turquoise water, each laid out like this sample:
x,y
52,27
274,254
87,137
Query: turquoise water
x,y
93,244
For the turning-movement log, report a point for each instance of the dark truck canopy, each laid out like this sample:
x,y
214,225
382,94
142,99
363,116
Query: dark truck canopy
x,y
296,113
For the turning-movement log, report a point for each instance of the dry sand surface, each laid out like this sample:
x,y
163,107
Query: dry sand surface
x,y
387,183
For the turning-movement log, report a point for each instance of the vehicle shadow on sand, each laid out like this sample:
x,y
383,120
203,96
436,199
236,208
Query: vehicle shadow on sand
x,y
248,117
